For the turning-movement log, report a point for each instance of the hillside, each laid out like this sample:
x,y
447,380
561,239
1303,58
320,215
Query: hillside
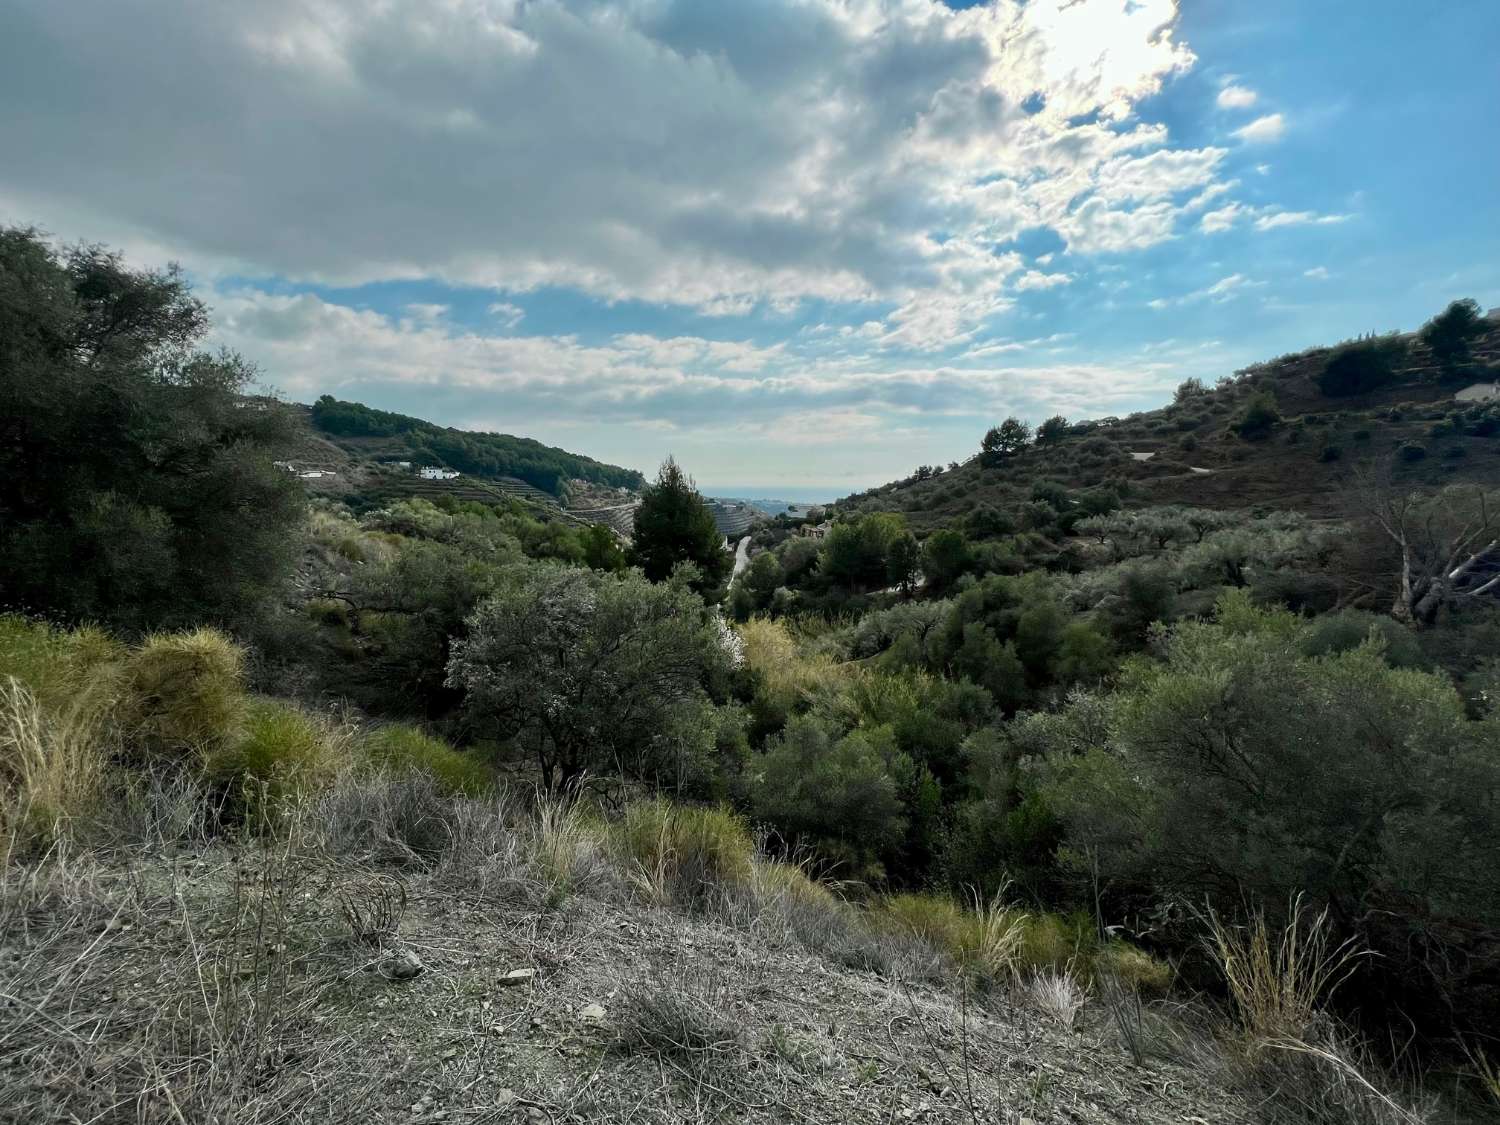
x,y
1189,453
335,973
380,435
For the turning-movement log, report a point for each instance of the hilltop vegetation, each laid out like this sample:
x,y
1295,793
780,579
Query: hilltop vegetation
x,y
1283,434
371,432
1213,789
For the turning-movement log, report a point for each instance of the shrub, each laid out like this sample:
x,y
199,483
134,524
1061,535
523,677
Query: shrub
x,y
1411,451
1258,416
1361,366
184,693
1330,453
407,749
683,853
284,753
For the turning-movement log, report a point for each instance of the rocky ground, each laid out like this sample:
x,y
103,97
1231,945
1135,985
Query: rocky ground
x,y
259,985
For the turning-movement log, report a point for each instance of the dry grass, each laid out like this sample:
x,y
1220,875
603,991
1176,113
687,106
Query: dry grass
x,y
680,854
185,693
1057,994
1311,1068
52,764
1279,980
676,1019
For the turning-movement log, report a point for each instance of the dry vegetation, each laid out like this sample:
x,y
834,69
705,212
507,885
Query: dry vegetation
x,y
221,908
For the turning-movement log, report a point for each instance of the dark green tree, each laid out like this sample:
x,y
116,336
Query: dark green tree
x,y
136,480
673,525
945,558
1053,430
1005,440
601,549
1450,334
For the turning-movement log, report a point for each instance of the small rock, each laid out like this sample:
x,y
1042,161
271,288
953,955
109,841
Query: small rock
x,y
592,1014
505,1098
518,976
402,964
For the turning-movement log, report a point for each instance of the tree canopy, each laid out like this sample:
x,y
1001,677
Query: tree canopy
x,y
674,526
136,479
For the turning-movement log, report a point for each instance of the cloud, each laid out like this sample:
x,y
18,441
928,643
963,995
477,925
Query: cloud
x,y
1273,219
641,383
1236,97
1225,289
507,314
1263,130
1222,219
1317,273
722,158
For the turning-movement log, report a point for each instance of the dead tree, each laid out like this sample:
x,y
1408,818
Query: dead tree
x,y
1448,542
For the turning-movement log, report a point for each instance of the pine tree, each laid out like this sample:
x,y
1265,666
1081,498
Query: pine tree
x,y
672,526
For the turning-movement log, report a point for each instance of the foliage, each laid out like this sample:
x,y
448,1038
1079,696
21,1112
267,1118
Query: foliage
x,y
838,791
857,554
1238,767
406,749
483,454
1005,440
1051,431
1451,333
584,670
128,459
945,559
1362,366
1257,417
673,525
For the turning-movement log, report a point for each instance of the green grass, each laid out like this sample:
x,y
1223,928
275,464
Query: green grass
x,y
185,693
679,852
283,753
405,748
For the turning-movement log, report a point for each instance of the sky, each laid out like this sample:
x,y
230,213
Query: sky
x,y
803,244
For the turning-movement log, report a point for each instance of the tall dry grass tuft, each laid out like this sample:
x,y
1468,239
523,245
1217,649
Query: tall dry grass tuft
x,y
185,693
565,846
683,854
1311,1068
1278,980
52,764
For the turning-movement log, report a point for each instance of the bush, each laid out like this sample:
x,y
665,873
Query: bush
x,y
1258,416
684,854
1365,365
284,753
1330,453
1411,451
185,693
406,749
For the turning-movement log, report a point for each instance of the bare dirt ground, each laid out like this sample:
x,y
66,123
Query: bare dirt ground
x,y
226,985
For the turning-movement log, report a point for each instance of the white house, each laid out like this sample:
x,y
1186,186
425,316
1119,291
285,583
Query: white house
x,y
427,472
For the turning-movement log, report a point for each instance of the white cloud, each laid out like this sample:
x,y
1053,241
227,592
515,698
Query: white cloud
x,y
1236,97
630,149
1035,279
1317,273
1222,219
1273,219
1263,130
509,315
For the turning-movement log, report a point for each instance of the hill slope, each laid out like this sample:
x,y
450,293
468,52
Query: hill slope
x,y
1189,453
223,984
382,435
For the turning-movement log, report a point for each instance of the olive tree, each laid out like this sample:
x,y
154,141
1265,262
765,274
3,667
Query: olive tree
x,y
586,671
